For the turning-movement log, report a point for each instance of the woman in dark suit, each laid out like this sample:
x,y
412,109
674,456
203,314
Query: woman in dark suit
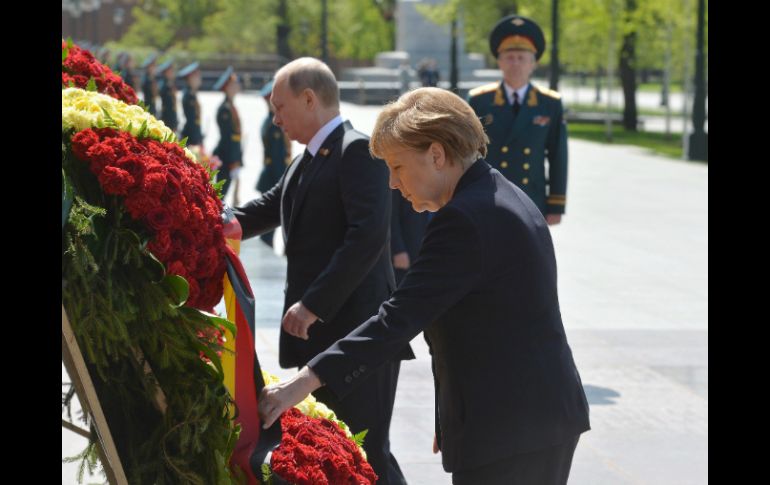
x,y
510,403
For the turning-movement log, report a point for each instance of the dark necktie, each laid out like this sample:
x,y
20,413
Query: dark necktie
x,y
291,188
516,104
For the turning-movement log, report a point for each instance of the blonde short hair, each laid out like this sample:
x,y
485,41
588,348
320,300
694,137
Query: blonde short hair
x,y
427,115
310,73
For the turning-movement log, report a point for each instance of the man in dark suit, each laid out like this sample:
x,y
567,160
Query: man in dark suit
x,y
333,204
510,404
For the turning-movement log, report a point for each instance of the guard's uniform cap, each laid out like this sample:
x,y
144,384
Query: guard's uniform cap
x,y
517,32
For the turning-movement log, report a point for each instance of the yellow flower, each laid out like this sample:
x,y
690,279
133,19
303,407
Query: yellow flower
x,y
81,109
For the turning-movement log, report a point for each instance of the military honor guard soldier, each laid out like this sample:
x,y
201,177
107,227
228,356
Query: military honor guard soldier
x,y
149,84
524,122
191,73
229,147
168,95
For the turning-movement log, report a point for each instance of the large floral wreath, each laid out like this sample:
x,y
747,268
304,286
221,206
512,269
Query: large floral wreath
x,y
143,260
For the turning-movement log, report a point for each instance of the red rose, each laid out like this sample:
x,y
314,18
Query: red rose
x,y
196,216
132,164
154,183
190,259
119,146
155,150
316,451
138,204
212,209
79,65
108,133
212,293
178,206
159,218
82,66
177,268
80,81
82,141
160,245
173,185
99,156
209,262
115,181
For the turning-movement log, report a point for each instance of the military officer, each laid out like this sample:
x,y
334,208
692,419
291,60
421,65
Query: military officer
x,y
191,73
149,84
277,153
229,147
525,123
127,70
168,95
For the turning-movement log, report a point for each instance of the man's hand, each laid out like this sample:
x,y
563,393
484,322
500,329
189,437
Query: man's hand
x,y
435,444
275,399
553,219
297,320
401,260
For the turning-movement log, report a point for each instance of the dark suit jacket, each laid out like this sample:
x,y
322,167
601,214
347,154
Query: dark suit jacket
x,y
337,241
483,288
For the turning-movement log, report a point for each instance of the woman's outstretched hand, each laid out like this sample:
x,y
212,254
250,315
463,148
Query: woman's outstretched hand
x,y
275,399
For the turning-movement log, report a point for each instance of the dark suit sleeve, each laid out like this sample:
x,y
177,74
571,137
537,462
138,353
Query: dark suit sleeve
x,y
366,200
557,163
448,267
261,215
397,244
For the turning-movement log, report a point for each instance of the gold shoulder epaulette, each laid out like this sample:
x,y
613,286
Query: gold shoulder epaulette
x,y
549,92
486,88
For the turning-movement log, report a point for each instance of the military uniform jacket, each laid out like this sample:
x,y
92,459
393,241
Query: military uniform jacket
x,y
518,148
483,290
229,147
150,92
168,104
277,154
337,240
128,77
192,114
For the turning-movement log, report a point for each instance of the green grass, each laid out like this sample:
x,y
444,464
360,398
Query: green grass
x,y
657,142
566,82
601,108
656,87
